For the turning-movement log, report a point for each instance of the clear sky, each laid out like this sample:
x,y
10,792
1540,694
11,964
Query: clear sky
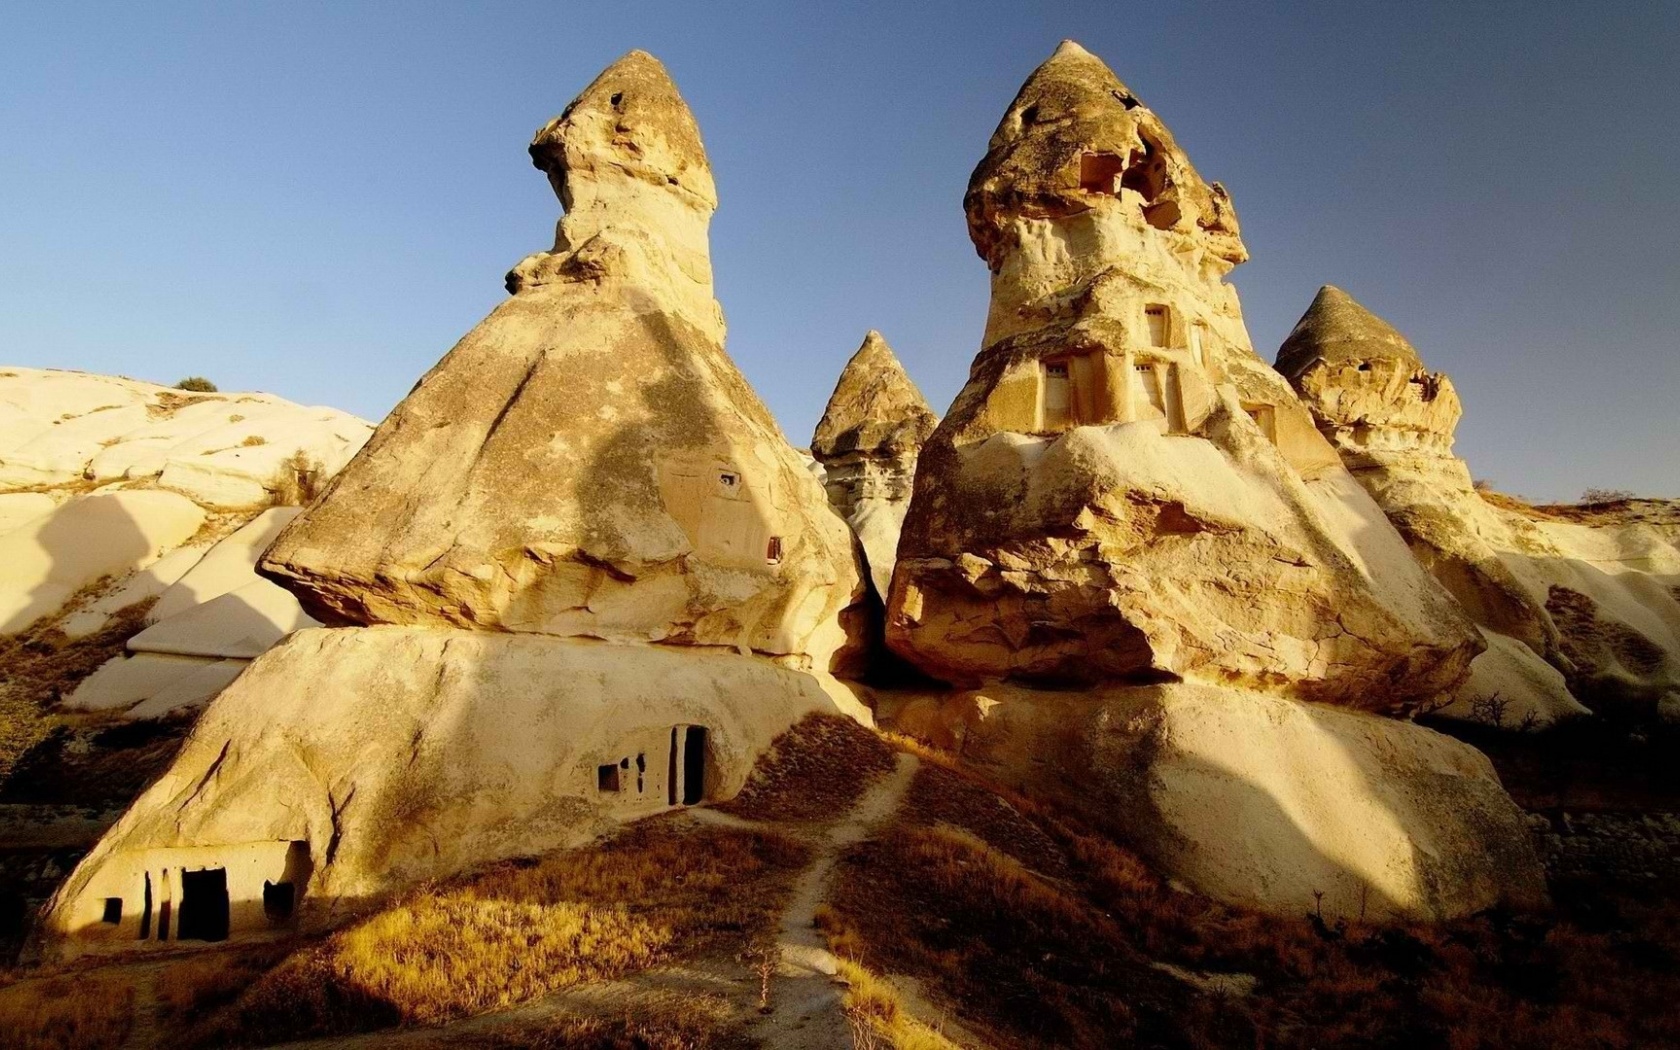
x,y
318,199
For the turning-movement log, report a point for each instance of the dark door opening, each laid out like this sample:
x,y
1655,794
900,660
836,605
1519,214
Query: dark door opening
x,y
694,765
146,909
671,771
204,906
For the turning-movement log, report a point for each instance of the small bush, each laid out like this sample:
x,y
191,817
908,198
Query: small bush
x,y
1606,495
196,384
253,441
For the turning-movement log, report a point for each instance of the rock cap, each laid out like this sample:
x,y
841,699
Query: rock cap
x,y
875,406
1076,135
1337,329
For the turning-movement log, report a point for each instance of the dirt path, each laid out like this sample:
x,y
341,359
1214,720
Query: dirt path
x,y
805,1009
805,1002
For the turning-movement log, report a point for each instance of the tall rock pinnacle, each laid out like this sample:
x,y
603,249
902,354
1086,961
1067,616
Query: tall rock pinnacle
x,y
1124,491
867,442
588,461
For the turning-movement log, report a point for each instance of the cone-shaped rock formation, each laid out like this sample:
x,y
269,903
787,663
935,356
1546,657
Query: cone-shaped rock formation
x,y
1123,490
588,461
1365,384
1565,609
867,441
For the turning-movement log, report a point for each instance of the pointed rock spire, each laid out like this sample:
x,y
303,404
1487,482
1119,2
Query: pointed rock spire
x,y
1336,329
875,407
1366,386
588,461
867,442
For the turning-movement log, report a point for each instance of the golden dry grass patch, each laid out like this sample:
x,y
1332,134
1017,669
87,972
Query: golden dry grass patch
x,y
83,1011
657,893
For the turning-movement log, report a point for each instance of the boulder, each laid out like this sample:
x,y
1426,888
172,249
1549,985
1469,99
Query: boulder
x,y
1124,490
588,462
1253,799
352,763
867,441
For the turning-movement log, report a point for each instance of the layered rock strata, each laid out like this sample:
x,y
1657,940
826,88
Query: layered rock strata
x,y
867,442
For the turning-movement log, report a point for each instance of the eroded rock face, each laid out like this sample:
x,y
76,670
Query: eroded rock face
x,y
867,442
351,763
1123,490
588,461
1259,800
1571,611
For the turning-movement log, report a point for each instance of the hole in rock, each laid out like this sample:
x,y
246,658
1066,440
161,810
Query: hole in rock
x,y
606,778
279,898
113,911
1100,172
204,905
694,765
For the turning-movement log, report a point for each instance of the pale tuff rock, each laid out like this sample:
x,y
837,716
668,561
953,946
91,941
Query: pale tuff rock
x,y
352,763
1365,384
214,616
1589,605
46,561
1123,490
64,430
126,488
588,461
1262,801
867,442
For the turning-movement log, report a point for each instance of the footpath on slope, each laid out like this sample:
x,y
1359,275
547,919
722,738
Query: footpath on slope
x,y
805,1010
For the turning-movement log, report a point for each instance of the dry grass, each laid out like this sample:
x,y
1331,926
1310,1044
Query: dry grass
x,y
88,1011
655,894
813,771
702,1025
1048,940
41,666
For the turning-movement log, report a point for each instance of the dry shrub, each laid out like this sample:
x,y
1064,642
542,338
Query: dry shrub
x,y
297,482
192,989
89,1011
253,441
521,930
814,771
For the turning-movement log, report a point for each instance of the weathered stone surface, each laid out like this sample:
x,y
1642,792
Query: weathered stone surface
x,y
867,442
1590,604
64,429
371,759
588,461
1260,800
45,561
1124,490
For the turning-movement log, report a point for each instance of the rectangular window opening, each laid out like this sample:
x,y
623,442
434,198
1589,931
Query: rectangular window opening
x,y
1159,328
773,550
113,911
279,899
606,778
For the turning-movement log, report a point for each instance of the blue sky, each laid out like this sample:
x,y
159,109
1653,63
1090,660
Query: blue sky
x,y
319,199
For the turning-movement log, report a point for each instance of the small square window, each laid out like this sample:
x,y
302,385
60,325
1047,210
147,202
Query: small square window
x,y
606,778
728,480
773,550
113,910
